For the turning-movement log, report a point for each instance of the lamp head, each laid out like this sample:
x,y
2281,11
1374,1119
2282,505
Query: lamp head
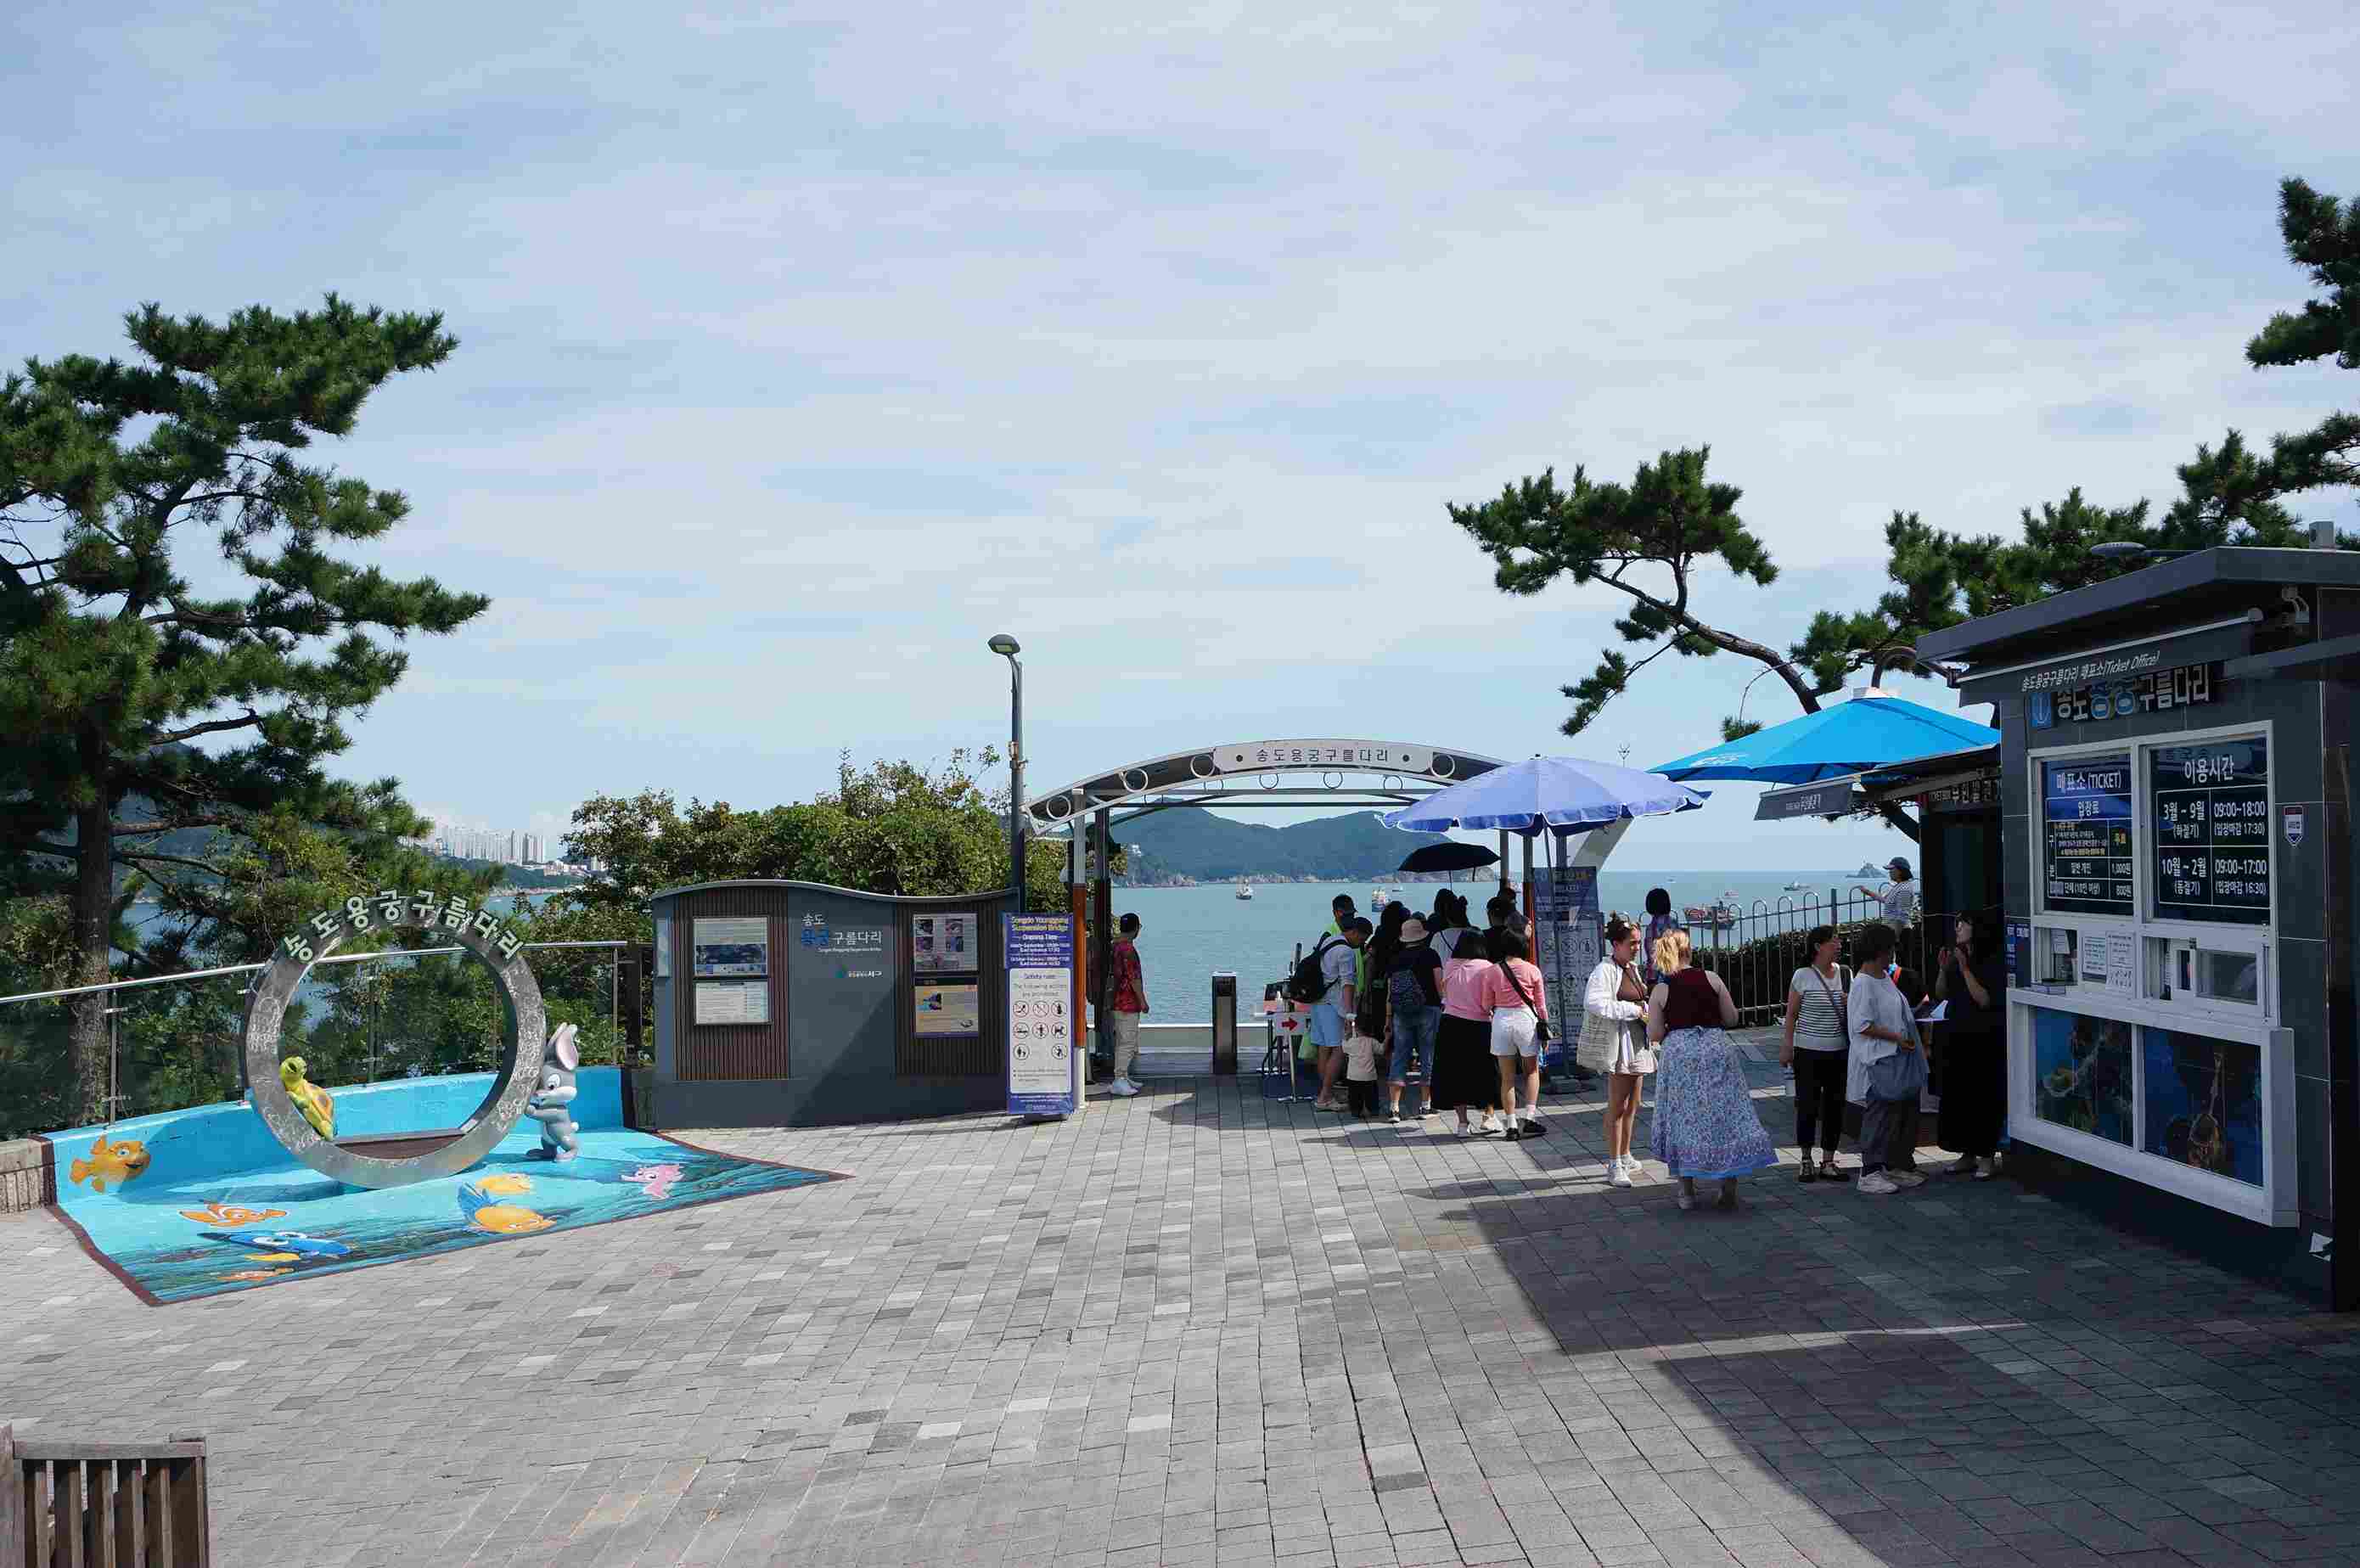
x,y
2119,549
1004,645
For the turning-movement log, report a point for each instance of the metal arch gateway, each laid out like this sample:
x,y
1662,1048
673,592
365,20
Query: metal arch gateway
x,y
1246,773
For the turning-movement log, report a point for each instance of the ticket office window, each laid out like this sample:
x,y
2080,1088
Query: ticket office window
x,y
2153,873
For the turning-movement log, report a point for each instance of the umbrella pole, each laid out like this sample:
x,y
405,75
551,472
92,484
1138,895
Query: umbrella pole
x,y
1503,860
1528,888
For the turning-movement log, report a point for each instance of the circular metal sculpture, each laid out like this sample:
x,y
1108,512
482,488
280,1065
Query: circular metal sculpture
x,y
438,1152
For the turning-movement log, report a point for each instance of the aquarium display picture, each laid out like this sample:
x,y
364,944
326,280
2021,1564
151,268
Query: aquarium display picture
x,y
2205,1102
2082,1072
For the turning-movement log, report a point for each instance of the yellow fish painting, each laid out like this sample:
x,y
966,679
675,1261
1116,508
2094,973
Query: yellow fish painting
x,y
498,1219
230,1216
117,1162
256,1274
308,1097
506,1184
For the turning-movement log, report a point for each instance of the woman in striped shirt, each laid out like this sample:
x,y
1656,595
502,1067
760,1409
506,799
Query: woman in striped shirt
x,y
1818,1049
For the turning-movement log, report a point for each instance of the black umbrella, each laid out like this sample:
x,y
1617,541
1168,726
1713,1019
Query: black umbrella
x,y
1450,857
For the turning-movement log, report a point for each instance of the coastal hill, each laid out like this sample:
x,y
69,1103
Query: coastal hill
x,y
1197,846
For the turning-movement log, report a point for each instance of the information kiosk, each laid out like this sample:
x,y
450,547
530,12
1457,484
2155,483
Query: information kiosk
x,y
2176,862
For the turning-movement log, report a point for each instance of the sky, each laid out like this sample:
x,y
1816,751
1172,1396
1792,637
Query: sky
x,y
803,347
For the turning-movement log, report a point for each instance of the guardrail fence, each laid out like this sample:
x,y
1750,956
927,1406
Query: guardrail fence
x,y
1757,948
129,1503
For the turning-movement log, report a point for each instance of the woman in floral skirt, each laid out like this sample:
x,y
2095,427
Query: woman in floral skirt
x,y
1705,1122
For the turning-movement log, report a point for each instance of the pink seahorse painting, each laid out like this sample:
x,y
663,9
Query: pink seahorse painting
x,y
655,1181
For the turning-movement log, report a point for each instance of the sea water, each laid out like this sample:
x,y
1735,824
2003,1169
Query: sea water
x,y
1187,933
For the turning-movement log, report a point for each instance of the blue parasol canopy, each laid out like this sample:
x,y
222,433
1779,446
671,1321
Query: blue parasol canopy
x,y
1848,738
1564,793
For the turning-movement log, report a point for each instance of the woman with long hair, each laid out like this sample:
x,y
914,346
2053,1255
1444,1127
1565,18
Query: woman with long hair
x,y
1464,1078
1705,1123
1613,1022
1660,922
1973,988
1819,1051
1519,1008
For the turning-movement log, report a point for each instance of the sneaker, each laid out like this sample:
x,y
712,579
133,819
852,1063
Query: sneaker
x,y
1986,1168
1962,1165
1809,1172
1877,1184
1905,1179
1395,1118
1831,1171
1617,1176
1490,1128
1124,1087
1631,1163
1513,1135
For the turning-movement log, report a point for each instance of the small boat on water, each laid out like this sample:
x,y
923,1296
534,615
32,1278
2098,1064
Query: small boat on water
x,y
1717,915
1245,890
1797,887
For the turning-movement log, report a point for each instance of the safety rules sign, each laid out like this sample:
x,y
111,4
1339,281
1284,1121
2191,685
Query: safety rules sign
x,y
1040,1080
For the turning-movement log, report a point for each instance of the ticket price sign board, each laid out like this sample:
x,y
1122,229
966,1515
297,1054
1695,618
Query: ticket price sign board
x,y
2085,850
1041,1058
2209,805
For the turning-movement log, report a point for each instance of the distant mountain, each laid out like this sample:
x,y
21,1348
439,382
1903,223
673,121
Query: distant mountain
x,y
1197,846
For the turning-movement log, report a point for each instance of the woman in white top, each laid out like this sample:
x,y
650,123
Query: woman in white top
x,y
1817,1047
1613,1008
1878,1019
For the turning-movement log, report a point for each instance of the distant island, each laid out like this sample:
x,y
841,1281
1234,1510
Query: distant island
x,y
1179,849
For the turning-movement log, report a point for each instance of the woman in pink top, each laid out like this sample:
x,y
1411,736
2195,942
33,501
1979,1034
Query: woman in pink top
x,y
1464,1077
1518,1010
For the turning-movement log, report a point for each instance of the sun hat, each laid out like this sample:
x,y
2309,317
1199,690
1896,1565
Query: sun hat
x,y
1413,929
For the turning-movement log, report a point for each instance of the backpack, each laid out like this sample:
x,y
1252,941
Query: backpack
x,y
1403,988
1307,983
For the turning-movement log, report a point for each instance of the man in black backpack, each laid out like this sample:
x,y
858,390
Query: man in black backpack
x,y
1340,960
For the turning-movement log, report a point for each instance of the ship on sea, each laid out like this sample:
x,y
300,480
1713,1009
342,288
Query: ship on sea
x,y
1245,890
1716,916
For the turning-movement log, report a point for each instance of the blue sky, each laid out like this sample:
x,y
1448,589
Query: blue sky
x,y
805,347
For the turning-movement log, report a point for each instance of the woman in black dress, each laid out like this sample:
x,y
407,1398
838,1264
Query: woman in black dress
x,y
1973,1045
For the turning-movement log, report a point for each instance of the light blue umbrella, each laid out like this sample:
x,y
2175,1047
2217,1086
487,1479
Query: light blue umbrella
x,y
1564,793
1847,737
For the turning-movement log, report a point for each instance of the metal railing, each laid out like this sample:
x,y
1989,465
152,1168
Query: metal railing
x,y
173,1039
1756,948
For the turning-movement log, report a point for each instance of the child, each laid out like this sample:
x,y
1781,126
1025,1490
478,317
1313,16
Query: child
x,y
1361,1073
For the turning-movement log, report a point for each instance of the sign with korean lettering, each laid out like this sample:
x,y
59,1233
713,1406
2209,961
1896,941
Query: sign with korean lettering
x,y
1040,1034
1264,756
2085,851
2158,691
2157,663
2209,804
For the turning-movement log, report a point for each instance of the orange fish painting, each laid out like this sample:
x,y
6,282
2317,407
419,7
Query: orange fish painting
x,y
117,1162
506,1184
230,1216
498,1219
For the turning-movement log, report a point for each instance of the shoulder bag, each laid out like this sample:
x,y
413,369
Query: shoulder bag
x,y
1902,1075
1540,1025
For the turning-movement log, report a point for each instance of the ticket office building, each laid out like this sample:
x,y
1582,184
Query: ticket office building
x,y
2178,873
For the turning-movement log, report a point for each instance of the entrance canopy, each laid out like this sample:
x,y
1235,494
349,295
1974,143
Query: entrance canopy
x,y
1291,774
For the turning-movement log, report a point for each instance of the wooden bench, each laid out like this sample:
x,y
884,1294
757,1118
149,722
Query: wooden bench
x,y
120,1505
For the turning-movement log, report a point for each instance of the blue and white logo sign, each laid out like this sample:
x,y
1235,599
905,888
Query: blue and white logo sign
x,y
2042,708
2291,822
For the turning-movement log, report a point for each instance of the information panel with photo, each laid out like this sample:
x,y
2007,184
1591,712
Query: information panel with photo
x,y
730,947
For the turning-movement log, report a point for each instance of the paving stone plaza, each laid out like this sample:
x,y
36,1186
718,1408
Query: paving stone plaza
x,y
1196,1327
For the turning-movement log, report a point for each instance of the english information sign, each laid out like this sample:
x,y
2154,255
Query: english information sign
x,y
1040,1034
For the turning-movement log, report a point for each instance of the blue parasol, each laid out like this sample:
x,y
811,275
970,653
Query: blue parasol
x,y
1847,737
1565,793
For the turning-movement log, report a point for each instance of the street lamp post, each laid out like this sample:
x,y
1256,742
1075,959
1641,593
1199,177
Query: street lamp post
x,y
1008,648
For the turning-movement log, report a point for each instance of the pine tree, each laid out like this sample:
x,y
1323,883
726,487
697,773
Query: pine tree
x,y
2322,236
119,647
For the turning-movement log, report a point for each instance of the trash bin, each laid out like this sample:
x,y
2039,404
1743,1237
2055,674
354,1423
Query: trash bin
x,y
1224,1024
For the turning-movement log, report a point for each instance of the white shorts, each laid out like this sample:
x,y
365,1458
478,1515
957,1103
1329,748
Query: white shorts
x,y
1513,1032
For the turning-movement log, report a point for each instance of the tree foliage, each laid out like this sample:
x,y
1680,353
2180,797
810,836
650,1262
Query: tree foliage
x,y
896,827
119,645
2323,238
1649,540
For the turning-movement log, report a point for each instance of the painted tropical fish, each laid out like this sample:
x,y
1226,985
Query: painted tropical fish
x,y
505,1184
498,1219
284,1246
117,1162
308,1097
655,1181
230,1216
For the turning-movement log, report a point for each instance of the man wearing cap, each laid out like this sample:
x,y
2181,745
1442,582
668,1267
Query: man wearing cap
x,y
1900,896
1413,993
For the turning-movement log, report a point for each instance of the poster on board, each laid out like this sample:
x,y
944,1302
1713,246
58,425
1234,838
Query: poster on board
x,y
946,1012
1041,1036
943,944
732,1002
731,948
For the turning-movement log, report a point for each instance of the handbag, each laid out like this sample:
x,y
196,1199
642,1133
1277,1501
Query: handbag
x,y
1540,1025
1902,1075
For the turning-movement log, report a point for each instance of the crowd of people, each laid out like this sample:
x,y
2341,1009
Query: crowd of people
x,y
1462,1014
1429,999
